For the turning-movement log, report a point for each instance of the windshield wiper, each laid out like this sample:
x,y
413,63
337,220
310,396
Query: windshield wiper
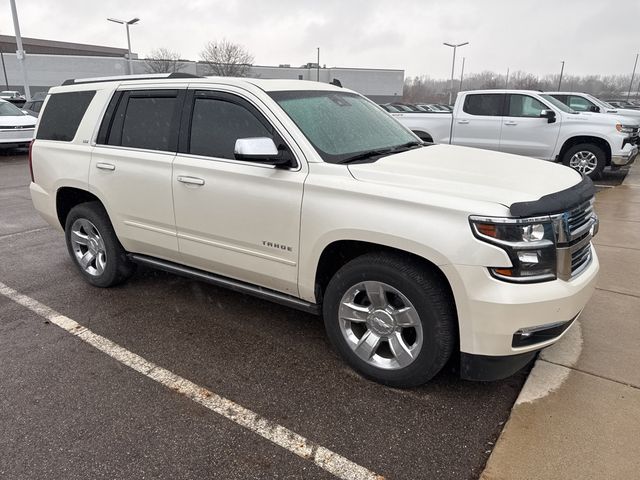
x,y
382,151
367,155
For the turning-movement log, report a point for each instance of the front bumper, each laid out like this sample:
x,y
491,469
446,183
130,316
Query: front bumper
x,y
624,157
508,323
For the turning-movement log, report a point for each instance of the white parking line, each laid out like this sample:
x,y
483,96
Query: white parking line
x,y
291,441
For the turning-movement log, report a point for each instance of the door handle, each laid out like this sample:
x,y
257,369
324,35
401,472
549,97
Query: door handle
x,y
510,123
464,122
190,180
105,166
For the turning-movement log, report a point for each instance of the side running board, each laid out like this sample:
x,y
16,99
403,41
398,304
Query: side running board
x,y
236,285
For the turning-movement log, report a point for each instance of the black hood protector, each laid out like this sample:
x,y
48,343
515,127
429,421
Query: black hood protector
x,y
556,202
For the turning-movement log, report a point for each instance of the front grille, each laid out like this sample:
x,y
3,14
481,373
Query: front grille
x,y
574,230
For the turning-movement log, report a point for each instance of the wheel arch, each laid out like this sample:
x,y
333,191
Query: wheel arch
x,y
69,197
598,141
339,252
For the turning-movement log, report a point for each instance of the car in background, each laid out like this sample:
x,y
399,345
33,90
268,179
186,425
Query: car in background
x,y
33,107
16,127
623,104
583,102
13,96
434,108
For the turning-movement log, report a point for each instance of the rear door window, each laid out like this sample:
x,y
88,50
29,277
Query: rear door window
x,y
486,104
145,119
62,117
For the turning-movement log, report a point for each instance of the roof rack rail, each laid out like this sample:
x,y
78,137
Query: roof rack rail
x,y
80,81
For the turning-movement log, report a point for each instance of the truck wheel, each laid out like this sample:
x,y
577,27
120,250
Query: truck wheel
x,y
586,158
94,247
391,320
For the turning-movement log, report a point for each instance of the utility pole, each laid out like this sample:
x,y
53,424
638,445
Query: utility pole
x,y
4,69
462,73
453,64
561,72
20,54
506,84
632,76
318,79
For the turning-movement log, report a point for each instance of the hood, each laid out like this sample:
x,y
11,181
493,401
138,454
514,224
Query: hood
x,y
608,118
18,121
469,173
626,112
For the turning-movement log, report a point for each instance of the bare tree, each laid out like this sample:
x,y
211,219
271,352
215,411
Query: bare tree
x,y
163,60
226,59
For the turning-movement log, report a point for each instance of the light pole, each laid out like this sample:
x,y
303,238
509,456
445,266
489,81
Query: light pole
x,y
506,83
462,73
20,52
632,76
318,66
453,64
126,23
4,69
561,72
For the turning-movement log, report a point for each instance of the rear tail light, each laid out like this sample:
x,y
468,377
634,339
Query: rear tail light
x,y
31,160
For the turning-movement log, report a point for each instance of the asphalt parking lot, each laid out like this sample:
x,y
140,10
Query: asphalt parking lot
x,y
68,410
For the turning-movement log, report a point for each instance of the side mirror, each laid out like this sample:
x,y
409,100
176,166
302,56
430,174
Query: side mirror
x,y
258,149
550,115
594,109
25,112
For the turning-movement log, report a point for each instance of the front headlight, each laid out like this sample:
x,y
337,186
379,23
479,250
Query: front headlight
x,y
529,243
625,128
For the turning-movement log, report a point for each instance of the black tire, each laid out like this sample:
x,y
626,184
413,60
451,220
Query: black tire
x,y
117,266
427,293
590,148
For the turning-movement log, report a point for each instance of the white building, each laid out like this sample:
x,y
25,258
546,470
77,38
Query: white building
x,y
50,63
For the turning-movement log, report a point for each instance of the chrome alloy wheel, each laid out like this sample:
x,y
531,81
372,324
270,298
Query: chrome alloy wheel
x,y
584,161
380,325
88,247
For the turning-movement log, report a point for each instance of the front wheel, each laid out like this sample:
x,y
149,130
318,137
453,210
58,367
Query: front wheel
x,y
587,159
390,319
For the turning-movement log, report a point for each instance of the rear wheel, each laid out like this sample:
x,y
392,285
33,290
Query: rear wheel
x,y
391,320
94,247
587,159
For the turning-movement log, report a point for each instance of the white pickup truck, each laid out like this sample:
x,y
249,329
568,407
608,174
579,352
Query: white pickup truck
x,y
533,124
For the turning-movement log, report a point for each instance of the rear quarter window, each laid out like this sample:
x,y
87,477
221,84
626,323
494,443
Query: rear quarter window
x,y
64,112
486,104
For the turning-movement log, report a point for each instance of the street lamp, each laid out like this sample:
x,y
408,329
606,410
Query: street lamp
x,y
126,23
561,72
453,64
632,76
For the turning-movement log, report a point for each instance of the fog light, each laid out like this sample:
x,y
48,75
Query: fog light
x,y
526,256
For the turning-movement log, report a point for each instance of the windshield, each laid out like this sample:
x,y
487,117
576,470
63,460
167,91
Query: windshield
x,y
9,110
600,103
558,104
341,125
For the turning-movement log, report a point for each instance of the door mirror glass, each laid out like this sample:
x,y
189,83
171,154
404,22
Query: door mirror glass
x,y
256,149
550,115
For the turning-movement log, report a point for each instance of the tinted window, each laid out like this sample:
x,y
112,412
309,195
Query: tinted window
x,y
148,122
61,118
217,124
525,106
488,104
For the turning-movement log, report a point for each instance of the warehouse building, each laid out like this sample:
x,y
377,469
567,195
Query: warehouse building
x,y
49,63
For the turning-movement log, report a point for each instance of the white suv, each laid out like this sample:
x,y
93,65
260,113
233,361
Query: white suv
x,y
311,196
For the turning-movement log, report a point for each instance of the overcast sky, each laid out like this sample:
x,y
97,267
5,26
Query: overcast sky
x,y
591,36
